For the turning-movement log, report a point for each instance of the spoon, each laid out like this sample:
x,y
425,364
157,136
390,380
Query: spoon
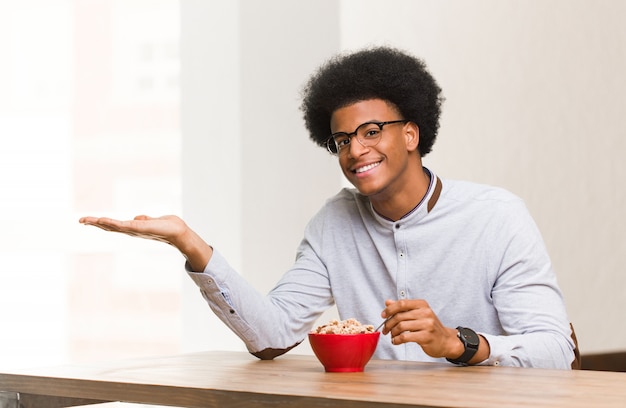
x,y
383,323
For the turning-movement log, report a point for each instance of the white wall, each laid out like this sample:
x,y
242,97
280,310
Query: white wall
x,y
251,177
535,98
536,95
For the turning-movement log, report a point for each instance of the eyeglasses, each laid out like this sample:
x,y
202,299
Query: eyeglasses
x,y
367,134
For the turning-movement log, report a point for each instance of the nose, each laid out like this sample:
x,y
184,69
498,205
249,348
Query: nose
x,y
357,148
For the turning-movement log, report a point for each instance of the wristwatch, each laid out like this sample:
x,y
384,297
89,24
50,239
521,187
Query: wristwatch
x,y
470,341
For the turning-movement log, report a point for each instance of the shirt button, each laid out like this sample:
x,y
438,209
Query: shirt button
x,y
402,294
401,254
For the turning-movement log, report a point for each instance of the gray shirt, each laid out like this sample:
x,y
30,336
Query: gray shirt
x,y
471,251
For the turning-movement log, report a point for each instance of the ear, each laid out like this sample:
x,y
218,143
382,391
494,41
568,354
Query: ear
x,y
412,136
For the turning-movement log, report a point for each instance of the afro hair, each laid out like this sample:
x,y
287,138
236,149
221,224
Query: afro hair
x,y
375,73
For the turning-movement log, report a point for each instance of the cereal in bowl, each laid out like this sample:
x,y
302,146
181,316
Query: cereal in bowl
x,y
348,326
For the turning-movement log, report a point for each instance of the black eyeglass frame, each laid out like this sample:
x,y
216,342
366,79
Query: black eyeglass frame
x,y
331,144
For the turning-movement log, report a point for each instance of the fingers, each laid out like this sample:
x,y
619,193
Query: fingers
x,y
110,224
412,326
165,229
408,320
95,220
107,224
113,224
394,307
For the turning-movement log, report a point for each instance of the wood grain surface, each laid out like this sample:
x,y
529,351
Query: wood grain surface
x,y
236,379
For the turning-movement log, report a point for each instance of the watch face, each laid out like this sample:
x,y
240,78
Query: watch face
x,y
469,337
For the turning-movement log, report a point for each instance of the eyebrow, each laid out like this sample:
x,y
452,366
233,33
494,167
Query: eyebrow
x,y
372,121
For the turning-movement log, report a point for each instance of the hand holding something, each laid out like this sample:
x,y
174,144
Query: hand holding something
x,y
414,321
169,229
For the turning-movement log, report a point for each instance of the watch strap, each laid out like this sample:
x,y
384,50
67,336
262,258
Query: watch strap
x,y
470,341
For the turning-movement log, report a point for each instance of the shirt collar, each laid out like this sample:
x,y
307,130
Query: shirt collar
x,y
426,204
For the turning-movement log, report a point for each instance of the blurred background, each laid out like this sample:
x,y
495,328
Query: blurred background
x,y
190,107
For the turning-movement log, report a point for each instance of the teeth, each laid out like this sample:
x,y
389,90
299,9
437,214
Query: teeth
x,y
366,168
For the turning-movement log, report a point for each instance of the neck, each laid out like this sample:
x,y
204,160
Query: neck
x,y
395,205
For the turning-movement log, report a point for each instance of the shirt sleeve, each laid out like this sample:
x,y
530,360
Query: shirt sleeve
x,y
282,318
529,302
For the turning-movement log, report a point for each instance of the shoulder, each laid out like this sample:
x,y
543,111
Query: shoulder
x,y
459,190
345,201
342,207
481,202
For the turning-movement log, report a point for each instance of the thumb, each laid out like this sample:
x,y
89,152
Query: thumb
x,y
389,302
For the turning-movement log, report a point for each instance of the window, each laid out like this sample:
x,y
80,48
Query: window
x,y
89,118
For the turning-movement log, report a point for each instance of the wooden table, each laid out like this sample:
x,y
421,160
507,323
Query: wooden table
x,y
237,379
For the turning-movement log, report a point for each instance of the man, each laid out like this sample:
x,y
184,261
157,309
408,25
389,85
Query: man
x,y
461,268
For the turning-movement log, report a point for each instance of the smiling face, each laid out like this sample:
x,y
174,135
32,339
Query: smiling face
x,y
389,171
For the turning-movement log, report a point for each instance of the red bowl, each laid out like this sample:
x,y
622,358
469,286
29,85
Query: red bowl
x,y
342,353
